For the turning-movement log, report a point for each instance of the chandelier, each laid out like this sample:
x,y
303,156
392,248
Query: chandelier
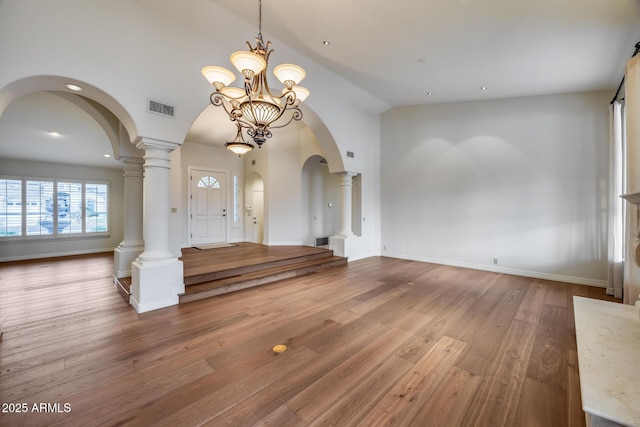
x,y
254,107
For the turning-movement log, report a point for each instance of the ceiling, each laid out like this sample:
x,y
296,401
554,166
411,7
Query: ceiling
x,y
401,50
27,129
397,51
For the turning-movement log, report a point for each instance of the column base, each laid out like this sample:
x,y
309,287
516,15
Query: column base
x,y
156,284
341,245
123,257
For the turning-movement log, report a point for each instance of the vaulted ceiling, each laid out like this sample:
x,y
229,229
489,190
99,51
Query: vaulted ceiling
x,y
405,52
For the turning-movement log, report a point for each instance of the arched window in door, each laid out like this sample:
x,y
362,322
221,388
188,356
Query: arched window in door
x,y
208,182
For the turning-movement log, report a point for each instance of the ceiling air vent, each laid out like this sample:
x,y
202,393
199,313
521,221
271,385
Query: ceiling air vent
x,y
160,108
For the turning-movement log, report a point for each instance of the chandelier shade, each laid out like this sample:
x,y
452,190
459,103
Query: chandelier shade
x,y
238,145
260,112
289,74
220,75
301,92
234,93
254,107
248,61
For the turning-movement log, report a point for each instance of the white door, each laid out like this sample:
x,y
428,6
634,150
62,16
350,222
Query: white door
x,y
258,217
208,207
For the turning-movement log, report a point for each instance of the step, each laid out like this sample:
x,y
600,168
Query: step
x,y
257,278
123,284
191,277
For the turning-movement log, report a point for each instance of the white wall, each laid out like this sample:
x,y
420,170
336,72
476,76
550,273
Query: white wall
x,y
523,181
29,249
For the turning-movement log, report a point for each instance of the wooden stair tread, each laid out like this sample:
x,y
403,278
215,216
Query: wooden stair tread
x,y
196,263
267,272
217,271
123,284
244,281
210,272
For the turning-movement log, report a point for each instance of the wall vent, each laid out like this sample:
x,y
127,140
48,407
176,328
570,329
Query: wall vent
x,y
350,154
160,108
322,241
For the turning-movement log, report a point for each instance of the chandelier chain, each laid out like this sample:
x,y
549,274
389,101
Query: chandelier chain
x,y
260,19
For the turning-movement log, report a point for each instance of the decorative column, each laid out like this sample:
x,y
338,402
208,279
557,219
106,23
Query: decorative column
x,y
339,242
157,276
632,232
133,244
346,191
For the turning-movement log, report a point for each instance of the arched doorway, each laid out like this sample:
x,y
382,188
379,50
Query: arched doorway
x,y
320,201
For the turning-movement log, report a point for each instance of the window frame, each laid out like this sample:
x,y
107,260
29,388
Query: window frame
x,y
56,235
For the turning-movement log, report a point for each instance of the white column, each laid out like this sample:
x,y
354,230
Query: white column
x,y
157,276
133,244
632,106
346,190
340,243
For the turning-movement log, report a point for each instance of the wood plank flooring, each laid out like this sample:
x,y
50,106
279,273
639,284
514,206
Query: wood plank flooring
x,y
379,342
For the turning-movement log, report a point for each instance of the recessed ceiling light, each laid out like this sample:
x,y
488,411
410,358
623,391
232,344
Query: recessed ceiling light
x,y
483,88
107,155
54,133
73,87
326,43
429,93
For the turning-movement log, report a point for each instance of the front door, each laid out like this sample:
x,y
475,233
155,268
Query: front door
x,y
208,207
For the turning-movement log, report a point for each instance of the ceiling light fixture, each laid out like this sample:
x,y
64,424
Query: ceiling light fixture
x,y
238,145
73,87
54,133
254,107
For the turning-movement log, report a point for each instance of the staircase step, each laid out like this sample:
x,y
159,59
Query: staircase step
x,y
201,275
258,277
123,284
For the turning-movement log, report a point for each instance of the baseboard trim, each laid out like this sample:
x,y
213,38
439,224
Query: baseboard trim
x,y
504,270
56,254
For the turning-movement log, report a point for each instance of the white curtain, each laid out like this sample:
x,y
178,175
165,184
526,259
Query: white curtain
x,y
616,203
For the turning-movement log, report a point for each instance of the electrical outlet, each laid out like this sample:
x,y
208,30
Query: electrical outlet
x,y
495,261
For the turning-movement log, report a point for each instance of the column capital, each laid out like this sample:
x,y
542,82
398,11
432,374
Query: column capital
x,y
129,160
346,174
145,143
133,166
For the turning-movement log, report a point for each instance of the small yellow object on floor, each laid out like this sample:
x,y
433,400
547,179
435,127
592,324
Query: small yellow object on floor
x,y
280,348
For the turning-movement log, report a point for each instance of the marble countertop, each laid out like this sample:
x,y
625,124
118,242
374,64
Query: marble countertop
x,y
608,338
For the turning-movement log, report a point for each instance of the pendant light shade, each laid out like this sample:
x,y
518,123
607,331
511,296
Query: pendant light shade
x,y
218,75
289,74
248,61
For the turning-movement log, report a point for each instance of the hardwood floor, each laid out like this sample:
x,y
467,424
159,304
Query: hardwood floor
x,y
379,342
